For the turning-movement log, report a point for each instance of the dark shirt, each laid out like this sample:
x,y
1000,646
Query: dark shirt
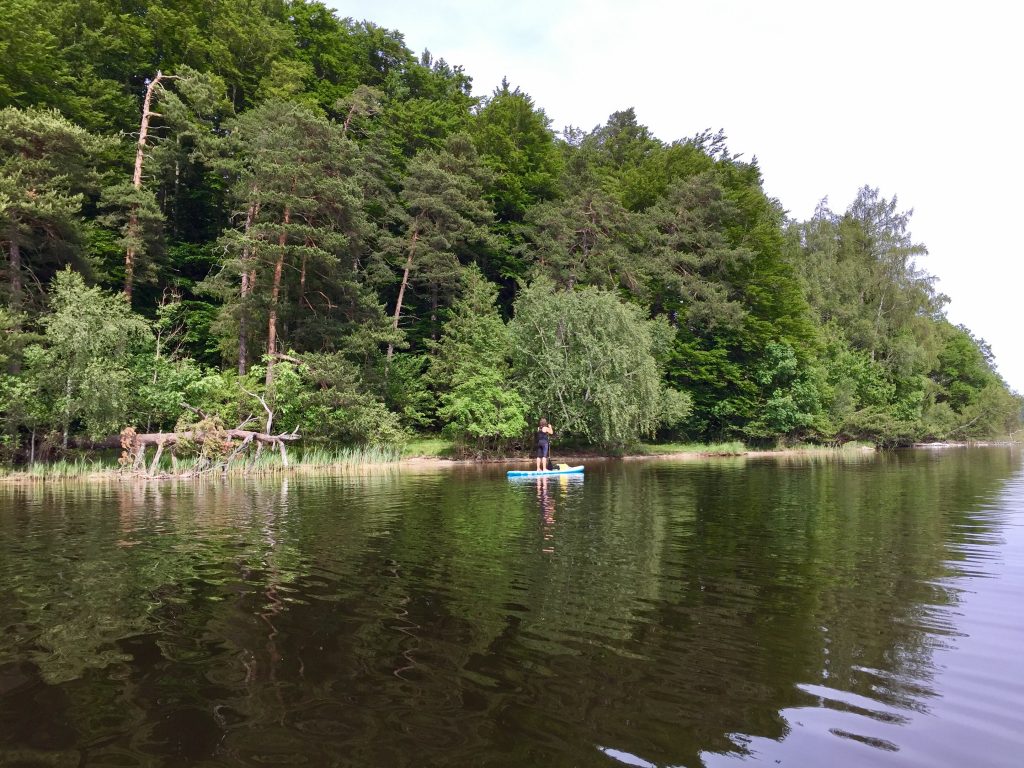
x,y
542,437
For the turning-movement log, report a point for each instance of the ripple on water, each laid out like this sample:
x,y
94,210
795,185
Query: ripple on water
x,y
669,615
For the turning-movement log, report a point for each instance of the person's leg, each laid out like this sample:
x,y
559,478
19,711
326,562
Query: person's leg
x,y
538,453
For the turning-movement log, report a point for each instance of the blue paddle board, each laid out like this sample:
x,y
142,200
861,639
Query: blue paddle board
x,y
546,472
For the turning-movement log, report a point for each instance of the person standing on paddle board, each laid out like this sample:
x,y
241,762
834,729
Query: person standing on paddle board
x,y
543,443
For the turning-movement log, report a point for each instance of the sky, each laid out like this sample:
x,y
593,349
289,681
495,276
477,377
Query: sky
x,y
919,99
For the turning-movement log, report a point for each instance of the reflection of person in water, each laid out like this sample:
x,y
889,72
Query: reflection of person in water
x,y
547,514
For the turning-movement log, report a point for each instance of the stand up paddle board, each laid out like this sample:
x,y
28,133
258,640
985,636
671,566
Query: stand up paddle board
x,y
546,472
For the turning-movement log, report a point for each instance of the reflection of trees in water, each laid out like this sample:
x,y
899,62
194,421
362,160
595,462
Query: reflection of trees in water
x,y
402,614
106,590
765,579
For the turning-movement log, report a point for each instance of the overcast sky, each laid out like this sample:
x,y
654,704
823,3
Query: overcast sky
x,y
920,99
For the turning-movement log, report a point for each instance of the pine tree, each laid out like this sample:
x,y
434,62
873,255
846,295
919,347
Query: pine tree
x,y
302,224
471,369
45,167
443,195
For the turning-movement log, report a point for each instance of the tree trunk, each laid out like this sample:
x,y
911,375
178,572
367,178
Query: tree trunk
x,y
302,283
247,287
275,292
401,289
243,330
140,154
14,250
348,119
433,312
15,259
67,411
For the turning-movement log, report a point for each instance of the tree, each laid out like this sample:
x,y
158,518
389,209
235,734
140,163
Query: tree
x,y
977,399
189,113
859,271
696,268
45,167
515,141
717,273
470,367
898,372
588,238
443,195
427,103
586,361
83,366
301,205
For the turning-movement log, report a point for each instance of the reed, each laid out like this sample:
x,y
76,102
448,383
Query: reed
x,y
59,470
315,458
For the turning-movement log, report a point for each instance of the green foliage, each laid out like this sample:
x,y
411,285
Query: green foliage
x,y
45,169
445,214
299,242
791,404
585,361
407,392
470,368
83,370
718,274
585,238
516,143
312,187
135,216
336,408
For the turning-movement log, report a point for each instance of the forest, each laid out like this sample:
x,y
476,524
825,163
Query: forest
x,y
259,215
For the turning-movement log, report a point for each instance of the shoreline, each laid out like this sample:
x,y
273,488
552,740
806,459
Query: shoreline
x,y
424,462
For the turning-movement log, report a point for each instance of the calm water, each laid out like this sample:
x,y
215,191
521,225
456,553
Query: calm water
x,y
806,613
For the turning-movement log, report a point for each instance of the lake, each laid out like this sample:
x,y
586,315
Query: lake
x,y
841,610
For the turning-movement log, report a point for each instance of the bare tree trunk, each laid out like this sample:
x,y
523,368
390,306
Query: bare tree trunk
x,y
156,458
247,287
401,289
275,292
140,154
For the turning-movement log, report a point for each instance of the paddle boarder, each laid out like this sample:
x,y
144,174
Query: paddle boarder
x,y
543,443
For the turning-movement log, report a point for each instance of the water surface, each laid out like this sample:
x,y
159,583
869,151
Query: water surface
x,y
820,611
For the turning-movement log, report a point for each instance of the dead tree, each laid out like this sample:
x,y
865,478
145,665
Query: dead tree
x,y
230,444
140,155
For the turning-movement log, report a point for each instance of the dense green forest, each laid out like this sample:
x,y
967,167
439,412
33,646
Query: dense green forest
x,y
256,213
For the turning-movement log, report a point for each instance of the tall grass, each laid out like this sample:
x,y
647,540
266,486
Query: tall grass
x,y
269,462
731,448
313,458
62,469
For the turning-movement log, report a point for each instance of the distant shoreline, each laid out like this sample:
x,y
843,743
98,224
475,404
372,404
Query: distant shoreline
x,y
438,462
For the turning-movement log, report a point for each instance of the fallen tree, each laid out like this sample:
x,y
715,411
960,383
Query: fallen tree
x,y
215,447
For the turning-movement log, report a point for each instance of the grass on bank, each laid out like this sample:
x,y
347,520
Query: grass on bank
x,y
320,458
61,469
314,458
430,447
731,448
